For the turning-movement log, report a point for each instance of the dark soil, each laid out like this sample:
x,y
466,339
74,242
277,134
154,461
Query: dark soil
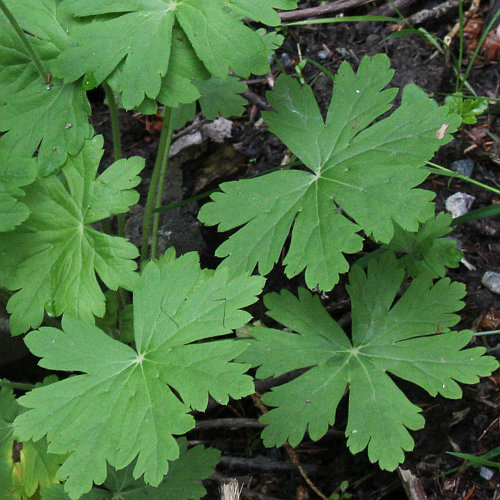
x,y
469,425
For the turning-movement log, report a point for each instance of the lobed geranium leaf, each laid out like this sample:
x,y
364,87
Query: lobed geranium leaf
x,y
262,10
134,386
183,481
52,257
206,34
409,339
426,251
24,467
48,118
15,172
221,96
369,172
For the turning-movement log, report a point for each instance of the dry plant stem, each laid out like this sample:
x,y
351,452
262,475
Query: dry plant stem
x,y
412,485
323,9
388,8
291,452
163,168
456,29
230,490
432,14
46,76
246,492
229,423
153,187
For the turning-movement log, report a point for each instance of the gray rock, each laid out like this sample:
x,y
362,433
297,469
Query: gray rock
x,y
286,60
491,281
463,167
486,473
459,204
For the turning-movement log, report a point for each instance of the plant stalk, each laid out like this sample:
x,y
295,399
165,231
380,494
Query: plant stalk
x,y
16,385
161,158
450,173
161,181
46,76
117,142
458,81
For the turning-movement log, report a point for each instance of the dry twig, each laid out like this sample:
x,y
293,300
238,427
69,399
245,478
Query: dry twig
x,y
328,8
412,485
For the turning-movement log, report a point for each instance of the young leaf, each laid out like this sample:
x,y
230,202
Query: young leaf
x,y
50,118
24,467
369,172
124,394
139,34
183,481
409,338
426,250
14,173
52,258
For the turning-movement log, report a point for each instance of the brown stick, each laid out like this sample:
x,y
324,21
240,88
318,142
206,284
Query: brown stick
x,y
412,485
323,9
434,13
229,423
388,9
230,490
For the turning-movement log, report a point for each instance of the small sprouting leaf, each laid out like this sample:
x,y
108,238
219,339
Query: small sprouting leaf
x,y
408,338
209,39
52,257
133,386
26,466
426,251
15,172
367,171
467,108
48,117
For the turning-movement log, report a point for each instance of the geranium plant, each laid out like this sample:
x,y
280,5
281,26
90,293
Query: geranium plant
x,y
113,421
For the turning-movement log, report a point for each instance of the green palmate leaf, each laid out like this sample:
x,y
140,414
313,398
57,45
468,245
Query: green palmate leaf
x,y
183,481
52,258
24,467
15,172
48,118
221,96
124,394
56,492
150,34
409,339
262,10
367,171
426,251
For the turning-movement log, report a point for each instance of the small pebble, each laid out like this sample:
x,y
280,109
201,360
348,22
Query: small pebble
x,y
463,167
458,204
486,473
491,281
286,60
323,54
